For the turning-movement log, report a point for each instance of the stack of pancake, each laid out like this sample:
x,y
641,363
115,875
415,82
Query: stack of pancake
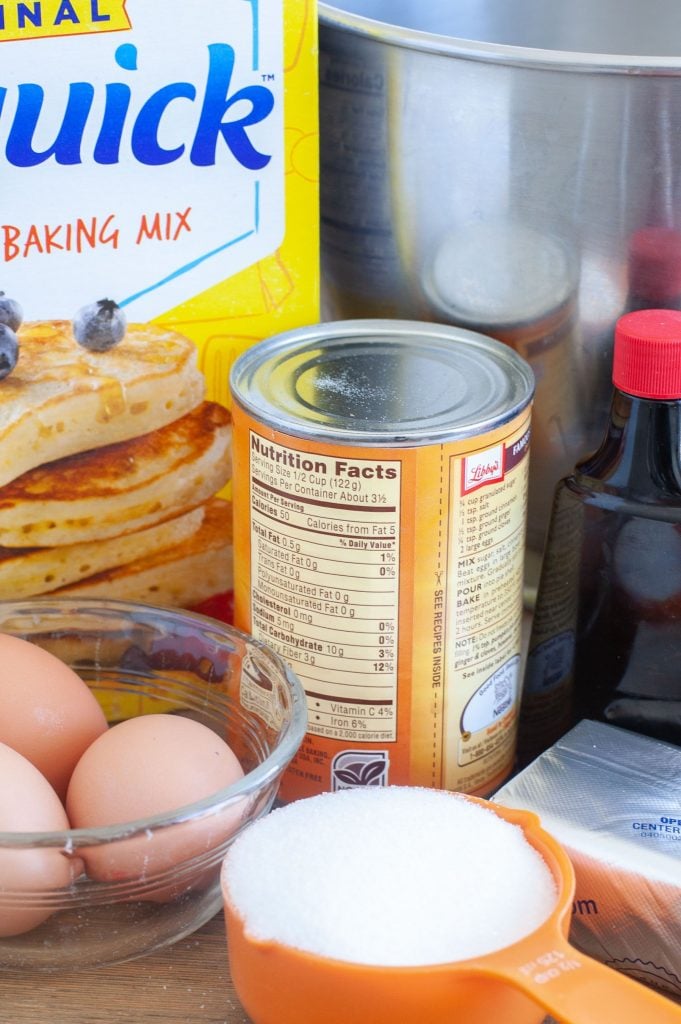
x,y
109,468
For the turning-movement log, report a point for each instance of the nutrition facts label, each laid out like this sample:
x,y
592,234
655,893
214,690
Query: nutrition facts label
x,y
325,581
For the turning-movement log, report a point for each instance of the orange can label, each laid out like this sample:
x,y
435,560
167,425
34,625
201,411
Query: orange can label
x,y
390,579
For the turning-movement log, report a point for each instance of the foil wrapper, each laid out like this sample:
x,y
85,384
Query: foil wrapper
x,y
613,799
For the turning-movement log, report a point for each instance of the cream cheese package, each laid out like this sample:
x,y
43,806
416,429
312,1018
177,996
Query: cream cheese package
x,y
159,214
613,799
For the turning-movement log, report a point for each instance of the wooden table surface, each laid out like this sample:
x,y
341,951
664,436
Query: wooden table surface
x,y
187,983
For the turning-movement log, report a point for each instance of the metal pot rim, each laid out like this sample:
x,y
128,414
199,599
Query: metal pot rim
x,y
497,53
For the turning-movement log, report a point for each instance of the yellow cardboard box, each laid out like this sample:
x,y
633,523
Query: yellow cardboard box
x,y
159,165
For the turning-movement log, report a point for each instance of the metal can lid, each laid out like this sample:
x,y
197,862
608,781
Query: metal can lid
x,y
382,382
496,274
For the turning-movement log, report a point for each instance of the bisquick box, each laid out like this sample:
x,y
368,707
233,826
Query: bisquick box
x,y
163,157
613,799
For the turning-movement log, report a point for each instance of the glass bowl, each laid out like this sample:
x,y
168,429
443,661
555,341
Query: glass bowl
x,y
138,659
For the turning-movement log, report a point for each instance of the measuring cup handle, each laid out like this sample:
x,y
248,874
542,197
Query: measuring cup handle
x,y
575,989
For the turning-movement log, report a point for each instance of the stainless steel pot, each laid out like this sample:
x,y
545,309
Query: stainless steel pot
x,y
510,167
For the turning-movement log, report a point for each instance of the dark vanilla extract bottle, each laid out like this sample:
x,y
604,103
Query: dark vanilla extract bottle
x,y
606,635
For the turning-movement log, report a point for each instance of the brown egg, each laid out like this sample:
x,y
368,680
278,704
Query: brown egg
x,y
28,804
48,713
147,766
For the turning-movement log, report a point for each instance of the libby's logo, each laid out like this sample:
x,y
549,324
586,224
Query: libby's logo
x,y
223,117
483,468
37,19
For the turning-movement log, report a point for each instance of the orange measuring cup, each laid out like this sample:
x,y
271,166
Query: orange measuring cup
x,y
519,984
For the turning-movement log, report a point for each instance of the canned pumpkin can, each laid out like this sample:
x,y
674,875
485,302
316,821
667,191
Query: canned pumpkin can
x,y
380,505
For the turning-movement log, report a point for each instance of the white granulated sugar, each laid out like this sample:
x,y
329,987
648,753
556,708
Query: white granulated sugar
x,y
393,876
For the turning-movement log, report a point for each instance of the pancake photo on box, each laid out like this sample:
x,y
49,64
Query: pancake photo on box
x,y
62,399
122,487
111,461
184,575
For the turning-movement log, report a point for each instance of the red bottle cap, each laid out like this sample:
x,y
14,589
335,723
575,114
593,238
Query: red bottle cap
x,y
647,357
